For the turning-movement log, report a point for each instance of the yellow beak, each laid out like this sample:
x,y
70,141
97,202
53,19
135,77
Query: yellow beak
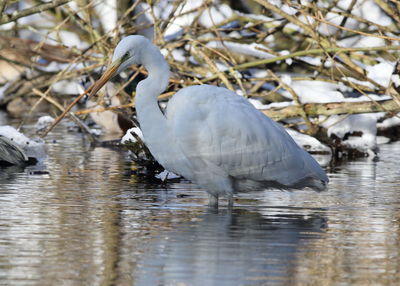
x,y
109,73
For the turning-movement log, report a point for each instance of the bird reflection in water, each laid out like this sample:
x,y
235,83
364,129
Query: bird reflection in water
x,y
231,247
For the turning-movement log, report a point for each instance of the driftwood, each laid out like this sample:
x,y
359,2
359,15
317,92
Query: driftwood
x,y
332,108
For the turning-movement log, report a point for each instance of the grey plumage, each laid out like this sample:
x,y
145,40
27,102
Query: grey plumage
x,y
209,134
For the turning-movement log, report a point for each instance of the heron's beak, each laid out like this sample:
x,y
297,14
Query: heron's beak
x,y
109,73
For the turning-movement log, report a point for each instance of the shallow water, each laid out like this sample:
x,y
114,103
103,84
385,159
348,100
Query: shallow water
x,y
91,221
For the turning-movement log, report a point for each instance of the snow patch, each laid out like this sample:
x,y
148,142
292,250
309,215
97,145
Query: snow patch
x,y
286,79
395,79
165,175
380,140
32,148
381,73
311,60
215,15
107,12
43,122
361,42
390,122
340,125
67,87
308,142
288,61
14,135
68,39
314,91
253,49
178,55
128,137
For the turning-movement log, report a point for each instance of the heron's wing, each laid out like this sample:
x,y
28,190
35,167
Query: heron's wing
x,y
217,129
10,152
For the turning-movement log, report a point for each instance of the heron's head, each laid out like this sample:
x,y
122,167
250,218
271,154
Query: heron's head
x,y
126,54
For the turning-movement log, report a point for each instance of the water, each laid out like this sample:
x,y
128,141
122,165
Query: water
x,y
91,221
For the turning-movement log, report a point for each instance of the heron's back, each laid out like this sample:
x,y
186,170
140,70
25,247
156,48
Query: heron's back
x,y
221,136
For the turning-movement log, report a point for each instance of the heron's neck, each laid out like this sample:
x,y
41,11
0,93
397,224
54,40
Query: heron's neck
x,y
152,121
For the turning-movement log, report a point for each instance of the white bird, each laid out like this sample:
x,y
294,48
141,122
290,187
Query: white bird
x,y
210,135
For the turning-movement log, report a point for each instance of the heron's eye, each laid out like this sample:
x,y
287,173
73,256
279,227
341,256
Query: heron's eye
x,y
126,55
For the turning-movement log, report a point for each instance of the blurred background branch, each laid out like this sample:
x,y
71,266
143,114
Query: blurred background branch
x,y
6,18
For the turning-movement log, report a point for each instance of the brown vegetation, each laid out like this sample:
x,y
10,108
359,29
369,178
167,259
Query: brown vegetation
x,y
302,29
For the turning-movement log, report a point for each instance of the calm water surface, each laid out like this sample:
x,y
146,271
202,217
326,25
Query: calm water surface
x,y
92,221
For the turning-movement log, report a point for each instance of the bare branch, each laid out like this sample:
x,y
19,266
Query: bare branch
x,y
30,11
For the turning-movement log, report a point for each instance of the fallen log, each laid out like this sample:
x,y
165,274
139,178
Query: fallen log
x,y
332,108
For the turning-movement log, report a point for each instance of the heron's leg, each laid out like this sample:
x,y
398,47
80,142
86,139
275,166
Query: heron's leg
x,y
213,200
230,201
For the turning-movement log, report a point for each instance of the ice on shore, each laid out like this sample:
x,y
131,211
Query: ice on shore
x,y
33,148
128,137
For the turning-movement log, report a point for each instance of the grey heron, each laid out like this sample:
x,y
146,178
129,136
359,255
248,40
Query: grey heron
x,y
210,135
